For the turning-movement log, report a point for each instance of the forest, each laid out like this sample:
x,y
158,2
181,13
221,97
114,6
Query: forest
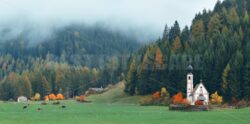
x,y
217,45
70,61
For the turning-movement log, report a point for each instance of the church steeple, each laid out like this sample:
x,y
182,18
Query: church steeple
x,y
190,83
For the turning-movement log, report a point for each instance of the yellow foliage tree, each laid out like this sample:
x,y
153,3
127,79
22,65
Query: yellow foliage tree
x,y
216,98
164,92
176,44
37,96
46,98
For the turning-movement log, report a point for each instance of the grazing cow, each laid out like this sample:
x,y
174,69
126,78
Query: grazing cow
x,y
24,107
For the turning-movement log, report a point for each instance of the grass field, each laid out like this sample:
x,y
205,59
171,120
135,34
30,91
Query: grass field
x,y
106,113
113,107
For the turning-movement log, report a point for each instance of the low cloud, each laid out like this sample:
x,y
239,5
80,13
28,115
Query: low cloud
x,y
144,18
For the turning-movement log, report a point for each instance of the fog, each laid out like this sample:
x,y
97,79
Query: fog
x,y
144,18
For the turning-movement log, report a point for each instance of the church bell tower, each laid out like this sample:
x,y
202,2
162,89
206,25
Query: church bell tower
x,y
190,84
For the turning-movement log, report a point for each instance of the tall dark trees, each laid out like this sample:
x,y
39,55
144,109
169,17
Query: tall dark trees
x,y
217,45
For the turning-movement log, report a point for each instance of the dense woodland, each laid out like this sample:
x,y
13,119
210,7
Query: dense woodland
x,y
70,61
217,45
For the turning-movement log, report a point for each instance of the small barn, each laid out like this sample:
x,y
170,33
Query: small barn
x,y
22,99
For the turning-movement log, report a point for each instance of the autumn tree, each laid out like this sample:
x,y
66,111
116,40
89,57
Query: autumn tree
x,y
198,31
233,17
176,45
177,98
158,58
216,98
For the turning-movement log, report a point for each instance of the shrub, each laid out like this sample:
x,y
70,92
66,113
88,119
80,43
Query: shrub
x,y
52,96
242,104
59,96
37,97
82,98
216,98
185,102
164,93
156,95
199,102
46,98
177,98
77,98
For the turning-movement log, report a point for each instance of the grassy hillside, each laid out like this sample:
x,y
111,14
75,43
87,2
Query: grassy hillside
x,y
115,95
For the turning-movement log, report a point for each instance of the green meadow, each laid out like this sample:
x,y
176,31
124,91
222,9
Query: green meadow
x,y
116,113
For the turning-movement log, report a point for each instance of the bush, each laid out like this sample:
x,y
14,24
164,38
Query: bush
x,y
156,95
216,98
52,96
46,98
242,104
37,97
199,102
77,98
82,98
177,98
59,96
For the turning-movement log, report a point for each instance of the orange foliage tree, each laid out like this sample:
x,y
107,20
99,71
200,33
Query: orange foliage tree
x,y
52,96
177,98
59,96
156,95
158,56
82,98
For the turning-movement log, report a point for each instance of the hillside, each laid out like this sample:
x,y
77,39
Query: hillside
x,y
115,95
217,45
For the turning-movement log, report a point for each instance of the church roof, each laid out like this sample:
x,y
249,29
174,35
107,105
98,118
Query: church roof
x,y
198,85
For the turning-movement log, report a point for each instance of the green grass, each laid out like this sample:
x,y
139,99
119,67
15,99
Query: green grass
x,y
114,107
117,113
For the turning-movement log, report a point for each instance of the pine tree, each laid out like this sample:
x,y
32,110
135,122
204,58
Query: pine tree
x,y
46,89
246,74
246,17
166,33
131,78
174,31
214,25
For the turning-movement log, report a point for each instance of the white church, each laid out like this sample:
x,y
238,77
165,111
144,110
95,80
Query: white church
x,y
199,92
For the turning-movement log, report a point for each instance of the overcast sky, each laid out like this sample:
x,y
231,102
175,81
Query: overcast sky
x,y
151,15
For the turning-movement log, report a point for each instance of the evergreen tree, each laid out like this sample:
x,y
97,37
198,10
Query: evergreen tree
x,y
131,78
174,31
